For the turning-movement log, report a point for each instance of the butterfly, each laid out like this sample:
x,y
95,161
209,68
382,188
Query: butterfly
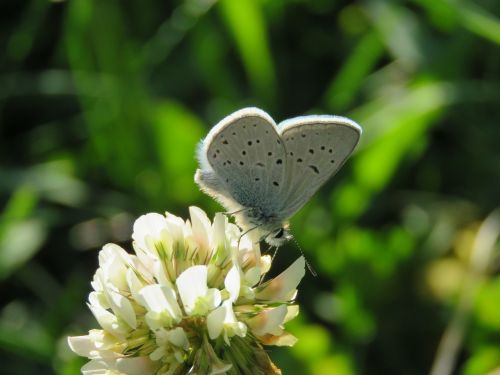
x,y
264,173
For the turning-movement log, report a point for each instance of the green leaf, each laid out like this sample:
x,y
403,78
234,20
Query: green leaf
x,y
246,23
177,133
20,236
345,85
394,126
19,243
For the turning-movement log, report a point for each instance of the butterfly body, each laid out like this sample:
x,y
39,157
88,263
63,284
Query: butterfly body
x,y
265,219
264,173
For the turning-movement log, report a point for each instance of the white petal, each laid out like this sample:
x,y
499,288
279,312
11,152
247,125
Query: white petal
x,y
213,298
219,230
145,262
223,319
134,283
178,337
108,321
282,287
252,276
105,345
175,226
99,367
247,243
96,282
265,264
292,312
268,321
110,252
192,284
215,322
158,353
81,345
99,299
285,339
160,298
149,225
230,317
233,232
123,308
135,366
114,262
201,226
233,283
161,274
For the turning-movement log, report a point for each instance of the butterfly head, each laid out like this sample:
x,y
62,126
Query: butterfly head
x,y
279,236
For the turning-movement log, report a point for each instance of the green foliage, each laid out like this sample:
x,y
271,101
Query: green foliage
x,y
102,104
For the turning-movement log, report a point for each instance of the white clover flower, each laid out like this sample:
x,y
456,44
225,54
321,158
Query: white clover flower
x,y
187,302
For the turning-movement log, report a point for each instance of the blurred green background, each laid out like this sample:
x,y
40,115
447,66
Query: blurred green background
x,y
101,106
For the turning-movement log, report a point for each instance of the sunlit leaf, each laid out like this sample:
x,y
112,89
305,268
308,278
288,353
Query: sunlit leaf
x,y
20,235
246,22
397,125
177,133
351,76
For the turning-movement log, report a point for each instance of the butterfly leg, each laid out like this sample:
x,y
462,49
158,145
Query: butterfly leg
x,y
246,232
235,212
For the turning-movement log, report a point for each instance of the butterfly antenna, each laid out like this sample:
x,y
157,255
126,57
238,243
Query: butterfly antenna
x,y
309,266
274,254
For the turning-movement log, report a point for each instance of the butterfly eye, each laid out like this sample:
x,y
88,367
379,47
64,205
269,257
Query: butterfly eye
x,y
279,233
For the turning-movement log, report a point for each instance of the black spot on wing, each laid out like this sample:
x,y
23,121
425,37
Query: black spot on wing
x,y
314,168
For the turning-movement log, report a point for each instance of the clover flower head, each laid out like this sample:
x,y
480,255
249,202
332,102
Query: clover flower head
x,y
189,301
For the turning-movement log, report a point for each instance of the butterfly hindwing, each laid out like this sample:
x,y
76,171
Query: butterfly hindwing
x,y
316,146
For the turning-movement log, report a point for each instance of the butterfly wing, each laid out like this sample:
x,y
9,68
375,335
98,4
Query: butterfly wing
x,y
317,147
242,161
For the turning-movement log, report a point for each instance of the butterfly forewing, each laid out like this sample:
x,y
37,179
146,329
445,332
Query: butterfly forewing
x,y
247,154
316,146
